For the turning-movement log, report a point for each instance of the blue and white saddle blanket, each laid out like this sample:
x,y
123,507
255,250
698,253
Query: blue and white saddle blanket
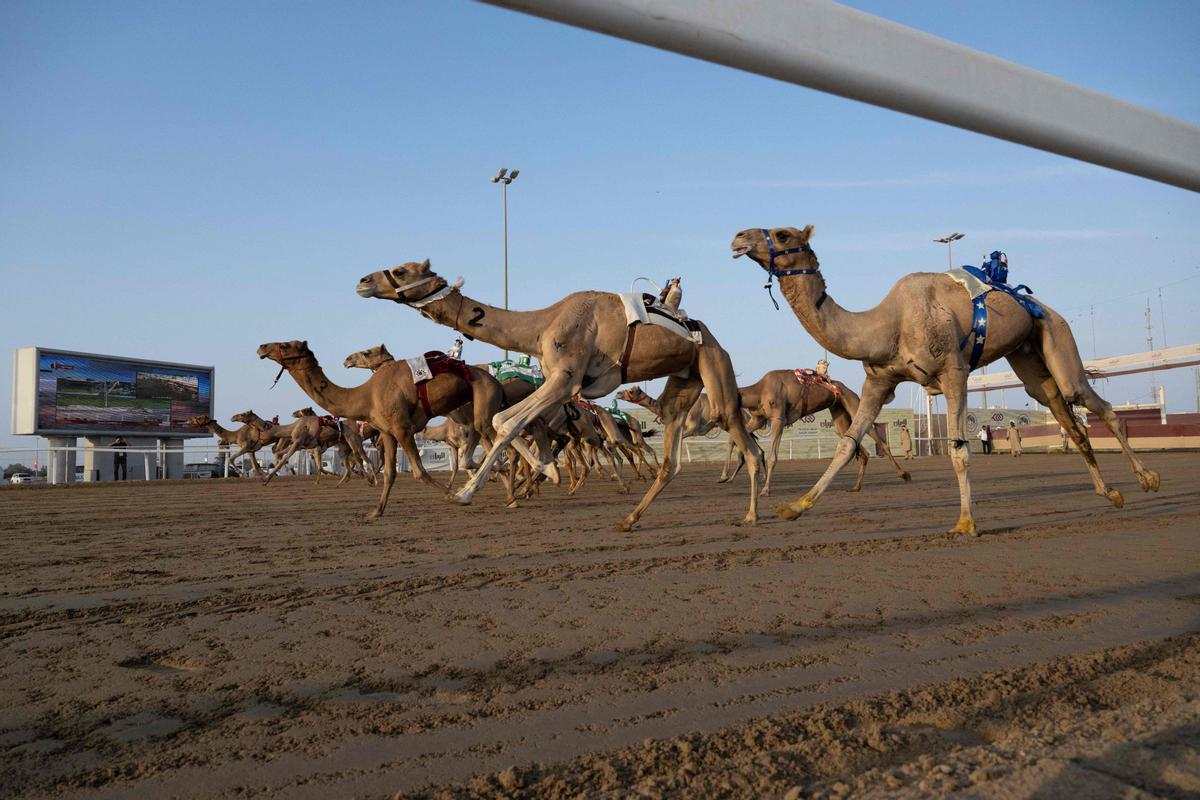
x,y
978,283
646,309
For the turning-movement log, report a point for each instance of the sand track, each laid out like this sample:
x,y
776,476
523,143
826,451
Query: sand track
x,y
212,637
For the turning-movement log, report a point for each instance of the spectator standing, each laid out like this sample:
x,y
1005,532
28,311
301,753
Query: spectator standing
x,y
985,436
1014,439
905,441
120,470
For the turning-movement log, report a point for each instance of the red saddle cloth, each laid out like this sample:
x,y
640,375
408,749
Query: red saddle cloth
x,y
812,377
439,363
328,421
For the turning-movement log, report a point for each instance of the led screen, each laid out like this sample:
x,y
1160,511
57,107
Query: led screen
x,y
88,393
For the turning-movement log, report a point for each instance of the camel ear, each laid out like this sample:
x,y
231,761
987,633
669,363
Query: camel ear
x,y
304,344
807,233
425,265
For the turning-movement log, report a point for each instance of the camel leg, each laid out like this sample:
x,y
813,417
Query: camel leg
x,y
776,437
453,468
631,457
841,422
875,393
508,424
881,442
388,443
676,400
1041,386
756,423
409,445
847,405
1058,349
716,373
955,390
279,462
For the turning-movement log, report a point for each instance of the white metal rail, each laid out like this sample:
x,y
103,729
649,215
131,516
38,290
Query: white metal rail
x,y
829,47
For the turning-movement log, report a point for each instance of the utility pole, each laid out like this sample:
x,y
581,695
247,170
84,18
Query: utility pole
x,y
1149,347
504,181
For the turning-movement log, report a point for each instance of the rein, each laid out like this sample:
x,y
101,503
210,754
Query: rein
x,y
283,367
783,273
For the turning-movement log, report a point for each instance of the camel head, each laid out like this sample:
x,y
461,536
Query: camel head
x,y
776,248
246,418
633,395
372,358
199,421
407,283
307,411
285,353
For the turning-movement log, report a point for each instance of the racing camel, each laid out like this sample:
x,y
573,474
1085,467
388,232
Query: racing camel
x,y
586,346
927,330
390,401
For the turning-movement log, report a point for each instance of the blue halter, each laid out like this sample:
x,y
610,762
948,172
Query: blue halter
x,y
783,273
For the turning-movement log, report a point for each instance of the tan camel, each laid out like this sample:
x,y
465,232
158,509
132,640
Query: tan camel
x,y
389,401
515,390
919,332
585,346
457,437
350,447
242,437
305,433
268,434
779,399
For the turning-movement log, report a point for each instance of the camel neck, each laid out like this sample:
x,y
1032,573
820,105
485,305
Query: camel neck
x,y
224,434
337,400
509,330
849,334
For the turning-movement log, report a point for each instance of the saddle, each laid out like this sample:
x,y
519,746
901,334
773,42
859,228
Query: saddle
x,y
978,283
809,378
428,366
329,421
642,308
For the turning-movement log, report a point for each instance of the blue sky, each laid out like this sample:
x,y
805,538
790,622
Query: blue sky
x,y
184,181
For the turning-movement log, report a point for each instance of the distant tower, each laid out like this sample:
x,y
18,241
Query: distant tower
x,y
1150,346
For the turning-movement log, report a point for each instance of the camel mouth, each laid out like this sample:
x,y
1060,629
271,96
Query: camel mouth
x,y
264,351
364,289
738,252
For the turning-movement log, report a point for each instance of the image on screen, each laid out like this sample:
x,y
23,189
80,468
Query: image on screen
x,y
90,393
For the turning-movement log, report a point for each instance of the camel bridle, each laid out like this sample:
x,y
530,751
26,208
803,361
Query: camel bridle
x,y
774,273
283,366
398,290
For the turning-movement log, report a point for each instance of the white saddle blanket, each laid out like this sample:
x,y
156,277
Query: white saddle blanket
x,y
645,308
420,369
973,285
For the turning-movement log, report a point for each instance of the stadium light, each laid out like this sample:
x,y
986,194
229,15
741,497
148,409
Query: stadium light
x,y
504,182
946,240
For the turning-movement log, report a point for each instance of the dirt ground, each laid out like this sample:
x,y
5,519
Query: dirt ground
x,y
220,638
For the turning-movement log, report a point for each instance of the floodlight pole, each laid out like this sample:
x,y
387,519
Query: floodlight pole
x,y
504,180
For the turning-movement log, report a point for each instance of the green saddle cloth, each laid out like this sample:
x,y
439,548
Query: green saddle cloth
x,y
522,368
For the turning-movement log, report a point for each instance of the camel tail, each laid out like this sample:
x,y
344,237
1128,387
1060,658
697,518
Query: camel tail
x,y
649,433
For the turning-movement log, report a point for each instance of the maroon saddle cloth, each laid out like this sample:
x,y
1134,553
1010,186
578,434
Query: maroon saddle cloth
x,y
440,363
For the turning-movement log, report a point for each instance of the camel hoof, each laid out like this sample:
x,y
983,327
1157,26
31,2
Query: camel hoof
x,y
623,490
904,476
855,488
965,527
723,479
785,511
749,521
551,472
460,499
1149,480
624,526
513,504
765,492
372,516
1115,497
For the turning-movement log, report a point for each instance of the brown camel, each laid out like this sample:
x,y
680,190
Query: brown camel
x,y
389,402
457,437
241,437
267,434
780,398
515,390
305,433
349,445
585,346
921,332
